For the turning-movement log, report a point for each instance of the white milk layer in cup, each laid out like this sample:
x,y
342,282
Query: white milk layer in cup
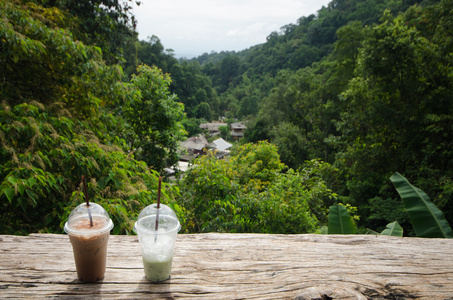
x,y
157,245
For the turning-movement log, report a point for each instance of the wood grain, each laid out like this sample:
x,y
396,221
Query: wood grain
x,y
238,266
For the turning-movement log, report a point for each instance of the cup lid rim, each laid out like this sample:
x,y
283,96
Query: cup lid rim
x,y
152,209
84,232
142,229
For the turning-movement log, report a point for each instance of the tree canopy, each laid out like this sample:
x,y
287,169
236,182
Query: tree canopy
x,y
61,115
334,105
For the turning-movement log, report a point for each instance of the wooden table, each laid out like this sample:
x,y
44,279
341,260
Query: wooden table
x,y
238,266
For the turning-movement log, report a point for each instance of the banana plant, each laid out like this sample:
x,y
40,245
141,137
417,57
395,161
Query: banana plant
x,y
392,229
340,221
426,218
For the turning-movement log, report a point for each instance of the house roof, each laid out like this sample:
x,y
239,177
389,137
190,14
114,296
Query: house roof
x,y
238,126
195,142
220,144
182,166
212,126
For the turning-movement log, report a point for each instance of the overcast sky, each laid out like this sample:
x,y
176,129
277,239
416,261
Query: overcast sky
x,y
193,27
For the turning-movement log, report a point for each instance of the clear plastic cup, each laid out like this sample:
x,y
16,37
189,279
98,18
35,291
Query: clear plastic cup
x,y
157,245
89,243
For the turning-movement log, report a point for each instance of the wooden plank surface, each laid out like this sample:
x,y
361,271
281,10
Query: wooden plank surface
x,y
238,266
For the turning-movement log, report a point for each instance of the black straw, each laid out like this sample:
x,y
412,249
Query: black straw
x,y
158,203
87,201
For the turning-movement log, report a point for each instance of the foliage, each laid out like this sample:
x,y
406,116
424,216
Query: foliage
x,y
149,52
400,85
295,46
393,229
194,89
384,211
44,53
192,126
285,206
426,218
248,193
207,189
256,162
154,117
296,118
109,24
319,178
61,119
40,180
344,98
340,221
224,132
291,144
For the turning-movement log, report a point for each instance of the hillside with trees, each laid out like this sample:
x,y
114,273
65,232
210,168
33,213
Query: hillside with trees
x,y
66,113
375,99
335,105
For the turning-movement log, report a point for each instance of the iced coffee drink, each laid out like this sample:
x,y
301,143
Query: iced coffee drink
x,y
90,251
89,239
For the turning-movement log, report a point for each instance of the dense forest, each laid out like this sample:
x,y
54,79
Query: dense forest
x,y
334,105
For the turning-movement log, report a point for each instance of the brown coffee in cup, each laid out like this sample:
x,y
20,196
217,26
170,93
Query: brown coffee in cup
x,y
89,240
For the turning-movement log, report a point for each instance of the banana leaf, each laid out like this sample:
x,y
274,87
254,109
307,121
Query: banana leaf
x,y
393,229
371,231
340,222
426,218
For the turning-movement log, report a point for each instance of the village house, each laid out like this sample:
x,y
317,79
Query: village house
x,y
192,147
237,131
213,128
221,147
180,166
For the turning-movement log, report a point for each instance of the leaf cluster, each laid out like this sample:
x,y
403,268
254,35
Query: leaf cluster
x,y
248,192
63,115
43,158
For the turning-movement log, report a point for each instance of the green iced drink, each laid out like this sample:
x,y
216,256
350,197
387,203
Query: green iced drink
x,y
157,242
157,270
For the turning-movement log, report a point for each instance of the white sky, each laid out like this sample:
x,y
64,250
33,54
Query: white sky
x,y
193,27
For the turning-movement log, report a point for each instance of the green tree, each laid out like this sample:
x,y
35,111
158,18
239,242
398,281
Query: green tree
x,y
292,145
204,111
400,94
257,162
224,132
193,88
248,193
229,70
284,206
59,120
109,24
347,47
155,119
258,131
150,52
192,126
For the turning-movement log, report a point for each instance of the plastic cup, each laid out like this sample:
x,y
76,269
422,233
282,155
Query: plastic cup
x,y
152,210
157,245
89,243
